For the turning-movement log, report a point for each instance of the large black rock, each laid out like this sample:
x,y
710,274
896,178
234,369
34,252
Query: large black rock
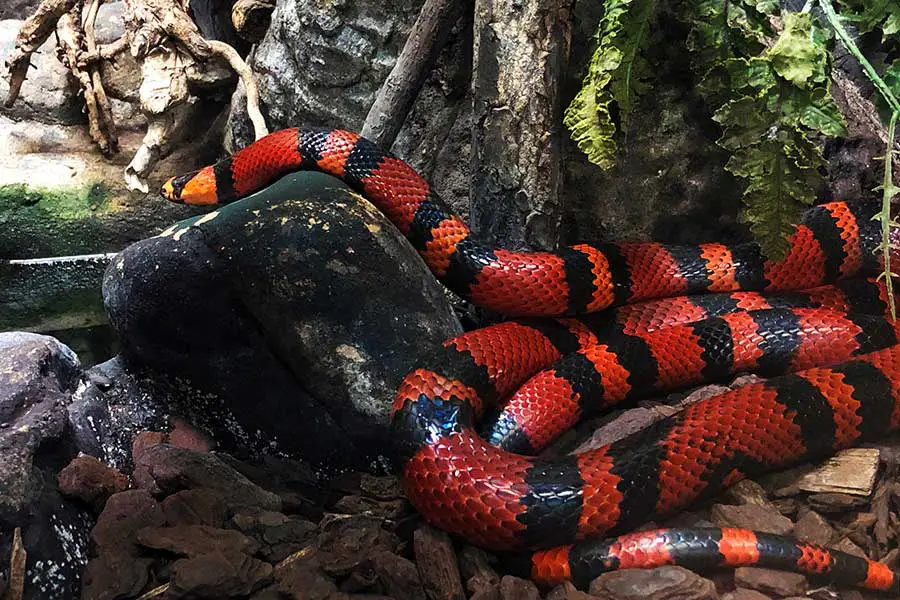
x,y
290,317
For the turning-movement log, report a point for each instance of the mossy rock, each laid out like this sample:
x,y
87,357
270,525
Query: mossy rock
x,y
88,218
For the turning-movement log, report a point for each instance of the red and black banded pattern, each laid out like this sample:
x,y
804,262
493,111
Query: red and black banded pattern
x,y
630,367
506,501
857,295
834,240
704,549
692,299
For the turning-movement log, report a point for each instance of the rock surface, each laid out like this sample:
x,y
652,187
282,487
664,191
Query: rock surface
x,y
323,63
302,298
58,195
653,584
37,376
111,409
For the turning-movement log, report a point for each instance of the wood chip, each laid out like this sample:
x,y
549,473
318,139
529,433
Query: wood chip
x,y
747,491
852,471
155,592
17,561
437,564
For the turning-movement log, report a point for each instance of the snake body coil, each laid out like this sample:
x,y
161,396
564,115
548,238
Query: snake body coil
x,y
657,318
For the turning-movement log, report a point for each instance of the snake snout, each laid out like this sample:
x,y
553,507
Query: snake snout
x,y
197,187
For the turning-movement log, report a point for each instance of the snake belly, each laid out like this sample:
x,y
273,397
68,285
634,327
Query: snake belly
x,y
846,388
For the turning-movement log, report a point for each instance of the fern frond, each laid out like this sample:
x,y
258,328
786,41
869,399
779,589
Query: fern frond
x,y
781,178
869,15
795,55
616,73
769,102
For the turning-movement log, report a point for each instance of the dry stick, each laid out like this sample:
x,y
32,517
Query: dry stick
x,y
396,96
243,70
69,35
17,561
33,32
105,116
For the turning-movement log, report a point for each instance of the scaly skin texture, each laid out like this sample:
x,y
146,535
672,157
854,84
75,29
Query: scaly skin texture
x,y
832,242
684,314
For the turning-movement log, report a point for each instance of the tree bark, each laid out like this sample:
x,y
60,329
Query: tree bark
x,y
400,89
521,52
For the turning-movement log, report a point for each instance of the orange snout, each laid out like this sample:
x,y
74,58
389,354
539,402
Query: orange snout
x,y
198,188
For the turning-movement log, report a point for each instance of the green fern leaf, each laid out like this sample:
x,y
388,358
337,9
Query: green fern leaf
x,y
590,124
745,122
813,108
869,15
616,73
629,79
733,77
795,56
781,181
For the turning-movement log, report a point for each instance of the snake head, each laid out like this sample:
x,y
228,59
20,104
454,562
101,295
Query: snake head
x,y
197,188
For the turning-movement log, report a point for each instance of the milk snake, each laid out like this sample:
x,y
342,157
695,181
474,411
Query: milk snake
x,y
656,318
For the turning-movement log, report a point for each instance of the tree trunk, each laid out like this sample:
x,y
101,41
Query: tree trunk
x,y
521,52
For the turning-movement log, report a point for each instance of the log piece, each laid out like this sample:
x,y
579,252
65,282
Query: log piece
x,y
521,50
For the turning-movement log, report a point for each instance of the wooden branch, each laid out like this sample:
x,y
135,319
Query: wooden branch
x,y
251,18
70,42
243,70
103,52
400,89
168,106
154,22
521,52
106,121
32,34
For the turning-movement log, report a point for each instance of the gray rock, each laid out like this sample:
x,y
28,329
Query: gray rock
x,y
14,9
294,314
50,93
37,376
323,63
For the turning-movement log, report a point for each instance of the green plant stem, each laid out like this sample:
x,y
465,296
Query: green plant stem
x,y
889,191
885,215
851,47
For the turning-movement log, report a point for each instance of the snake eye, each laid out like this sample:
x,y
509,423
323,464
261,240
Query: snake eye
x,y
168,191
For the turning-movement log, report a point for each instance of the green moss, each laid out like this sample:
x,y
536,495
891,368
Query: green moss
x,y
67,203
87,219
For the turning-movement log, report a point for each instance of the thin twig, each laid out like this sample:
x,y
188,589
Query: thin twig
x,y
243,70
888,188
